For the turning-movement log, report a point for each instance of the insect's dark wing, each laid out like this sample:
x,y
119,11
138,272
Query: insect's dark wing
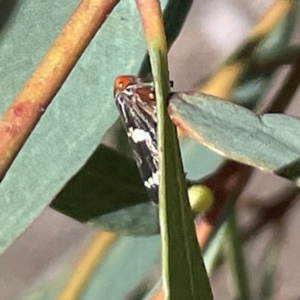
x,y
141,131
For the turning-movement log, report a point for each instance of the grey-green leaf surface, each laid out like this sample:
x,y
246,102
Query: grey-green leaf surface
x,y
114,276
81,112
270,142
183,271
93,192
198,160
127,214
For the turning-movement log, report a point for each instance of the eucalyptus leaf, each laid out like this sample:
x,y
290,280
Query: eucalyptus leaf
x,y
126,214
125,262
183,266
183,271
139,219
270,142
82,110
93,192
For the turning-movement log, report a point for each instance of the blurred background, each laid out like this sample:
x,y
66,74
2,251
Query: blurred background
x,y
52,244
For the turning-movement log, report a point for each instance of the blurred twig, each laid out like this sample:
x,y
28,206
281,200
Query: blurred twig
x,y
226,184
86,264
288,89
221,84
287,56
266,214
174,16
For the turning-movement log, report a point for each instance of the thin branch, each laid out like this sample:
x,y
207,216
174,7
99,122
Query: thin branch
x,y
288,89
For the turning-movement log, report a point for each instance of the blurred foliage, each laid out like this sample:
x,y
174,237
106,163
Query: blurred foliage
x,y
104,188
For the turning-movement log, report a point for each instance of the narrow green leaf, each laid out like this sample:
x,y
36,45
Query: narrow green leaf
x,y
270,142
270,263
184,274
236,259
174,16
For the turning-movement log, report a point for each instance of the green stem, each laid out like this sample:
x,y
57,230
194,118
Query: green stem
x,y
235,254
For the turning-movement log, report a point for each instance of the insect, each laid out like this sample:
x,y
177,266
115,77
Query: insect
x,y
135,101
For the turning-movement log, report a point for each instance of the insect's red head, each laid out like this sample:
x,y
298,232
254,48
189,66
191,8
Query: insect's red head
x,y
121,82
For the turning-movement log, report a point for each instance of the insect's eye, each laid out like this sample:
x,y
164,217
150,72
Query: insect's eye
x,y
121,82
120,85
